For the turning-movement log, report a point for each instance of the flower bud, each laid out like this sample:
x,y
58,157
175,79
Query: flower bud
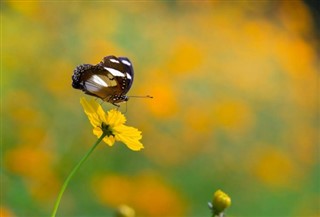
x,y
220,202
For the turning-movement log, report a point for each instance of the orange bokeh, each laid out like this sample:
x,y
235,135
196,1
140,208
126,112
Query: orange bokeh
x,y
275,168
147,194
34,165
234,85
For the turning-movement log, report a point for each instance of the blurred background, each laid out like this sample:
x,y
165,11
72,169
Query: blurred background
x,y
236,107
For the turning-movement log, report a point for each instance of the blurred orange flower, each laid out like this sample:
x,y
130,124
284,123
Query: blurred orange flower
x,y
148,194
5,212
34,165
165,94
111,123
275,168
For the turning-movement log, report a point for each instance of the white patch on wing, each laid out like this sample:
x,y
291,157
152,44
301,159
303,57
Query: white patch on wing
x,y
126,62
129,76
98,80
114,61
93,88
114,72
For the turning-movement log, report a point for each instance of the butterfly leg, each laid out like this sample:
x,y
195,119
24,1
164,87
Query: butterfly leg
x,y
116,105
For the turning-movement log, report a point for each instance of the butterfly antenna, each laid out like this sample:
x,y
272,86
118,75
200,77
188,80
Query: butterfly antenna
x,y
147,96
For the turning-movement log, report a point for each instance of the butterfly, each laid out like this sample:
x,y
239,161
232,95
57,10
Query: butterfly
x,y
109,80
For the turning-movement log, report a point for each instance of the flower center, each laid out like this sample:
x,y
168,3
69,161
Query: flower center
x,y
106,129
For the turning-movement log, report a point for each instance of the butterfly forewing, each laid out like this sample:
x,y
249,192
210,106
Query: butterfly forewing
x,y
121,68
129,71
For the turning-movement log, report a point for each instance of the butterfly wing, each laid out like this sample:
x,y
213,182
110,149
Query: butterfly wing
x,y
109,80
95,81
129,70
121,68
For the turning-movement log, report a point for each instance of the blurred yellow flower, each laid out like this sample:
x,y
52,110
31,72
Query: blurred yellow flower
x,y
112,124
125,211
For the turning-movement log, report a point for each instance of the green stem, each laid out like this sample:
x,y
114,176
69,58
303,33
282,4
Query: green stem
x,y
75,169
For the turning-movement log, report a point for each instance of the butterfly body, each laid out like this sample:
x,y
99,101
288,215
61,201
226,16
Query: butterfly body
x,y
109,80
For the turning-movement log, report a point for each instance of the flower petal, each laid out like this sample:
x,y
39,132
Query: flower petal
x,y
129,136
115,118
109,140
102,115
97,131
89,106
94,120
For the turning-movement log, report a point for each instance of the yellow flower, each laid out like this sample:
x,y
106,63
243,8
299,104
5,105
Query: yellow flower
x,y
112,124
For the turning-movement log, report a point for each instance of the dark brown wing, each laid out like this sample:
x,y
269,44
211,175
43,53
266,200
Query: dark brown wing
x,y
95,81
109,80
121,69
129,70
